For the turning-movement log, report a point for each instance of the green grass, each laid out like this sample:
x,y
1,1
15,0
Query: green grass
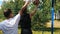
x,y
39,32
34,32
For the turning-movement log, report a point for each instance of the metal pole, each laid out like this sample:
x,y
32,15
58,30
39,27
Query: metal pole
x,y
52,24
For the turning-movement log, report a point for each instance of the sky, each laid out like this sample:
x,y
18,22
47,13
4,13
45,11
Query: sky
x,y
1,2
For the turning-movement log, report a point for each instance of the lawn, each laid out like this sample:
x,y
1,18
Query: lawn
x,y
34,32
39,32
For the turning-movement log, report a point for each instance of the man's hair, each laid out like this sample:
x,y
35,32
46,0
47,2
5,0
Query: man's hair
x,y
7,12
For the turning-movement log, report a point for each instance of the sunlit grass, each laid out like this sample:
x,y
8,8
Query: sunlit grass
x,y
34,32
38,32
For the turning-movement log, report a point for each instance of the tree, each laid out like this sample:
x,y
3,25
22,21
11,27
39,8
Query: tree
x,y
43,14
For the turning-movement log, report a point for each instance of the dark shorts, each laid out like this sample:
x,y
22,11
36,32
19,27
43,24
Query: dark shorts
x,y
26,31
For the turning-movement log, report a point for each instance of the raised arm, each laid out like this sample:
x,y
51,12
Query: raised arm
x,y
33,12
23,8
36,3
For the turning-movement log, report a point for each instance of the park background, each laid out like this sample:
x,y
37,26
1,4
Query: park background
x,y
41,21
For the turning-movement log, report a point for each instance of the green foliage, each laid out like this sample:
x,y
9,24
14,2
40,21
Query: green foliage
x,y
43,14
14,5
57,5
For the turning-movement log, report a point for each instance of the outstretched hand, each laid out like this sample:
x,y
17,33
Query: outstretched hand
x,y
24,7
36,2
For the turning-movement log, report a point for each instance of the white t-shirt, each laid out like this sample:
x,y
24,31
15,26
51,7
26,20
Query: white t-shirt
x,y
10,26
